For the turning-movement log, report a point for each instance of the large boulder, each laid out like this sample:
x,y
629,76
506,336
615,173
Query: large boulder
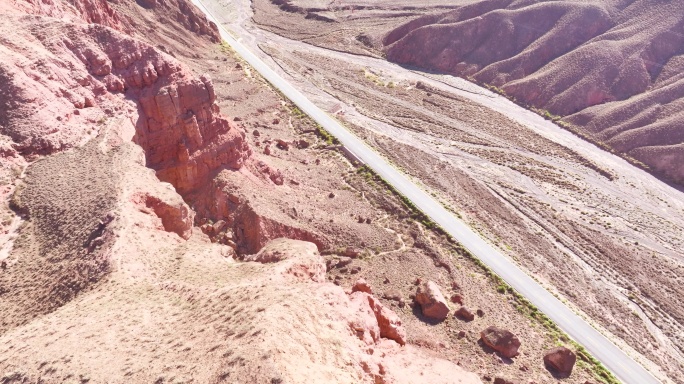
x,y
501,340
432,302
561,360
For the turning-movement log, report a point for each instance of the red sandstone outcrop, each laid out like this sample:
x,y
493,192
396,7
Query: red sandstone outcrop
x,y
89,74
561,360
432,302
174,214
501,340
614,70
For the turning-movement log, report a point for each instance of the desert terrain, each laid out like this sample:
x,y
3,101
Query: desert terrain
x,y
601,233
168,217
610,70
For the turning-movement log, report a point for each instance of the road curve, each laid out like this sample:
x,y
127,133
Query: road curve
x,y
624,367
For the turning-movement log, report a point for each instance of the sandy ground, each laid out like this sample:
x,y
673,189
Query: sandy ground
x,y
604,235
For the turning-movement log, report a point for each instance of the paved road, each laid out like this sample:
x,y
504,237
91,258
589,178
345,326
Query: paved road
x,y
624,367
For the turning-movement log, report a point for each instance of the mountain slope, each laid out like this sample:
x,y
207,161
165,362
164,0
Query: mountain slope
x,y
612,68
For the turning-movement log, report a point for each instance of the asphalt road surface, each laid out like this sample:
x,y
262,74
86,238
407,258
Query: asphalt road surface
x,y
624,367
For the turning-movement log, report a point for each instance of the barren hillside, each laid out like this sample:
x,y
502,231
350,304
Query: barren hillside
x,y
612,68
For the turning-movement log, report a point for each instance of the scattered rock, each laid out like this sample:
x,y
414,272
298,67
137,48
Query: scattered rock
x,y
277,177
351,252
457,299
362,286
343,261
480,313
302,144
237,119
560,360
465,314
432,302
256,133
331,195
501,340
392,295
282,144
267,150
275,121
461,334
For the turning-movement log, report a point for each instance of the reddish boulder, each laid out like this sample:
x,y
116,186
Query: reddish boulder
x,y
432,302
560,360
501,340
465,314
362,286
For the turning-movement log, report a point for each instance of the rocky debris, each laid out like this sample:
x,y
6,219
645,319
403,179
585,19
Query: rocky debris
x,y
465,314
350,252
302,144
560,360
362,286
267,150
282,144
457,299
432,302
273,174
254,132
331,195
501,340
480,313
